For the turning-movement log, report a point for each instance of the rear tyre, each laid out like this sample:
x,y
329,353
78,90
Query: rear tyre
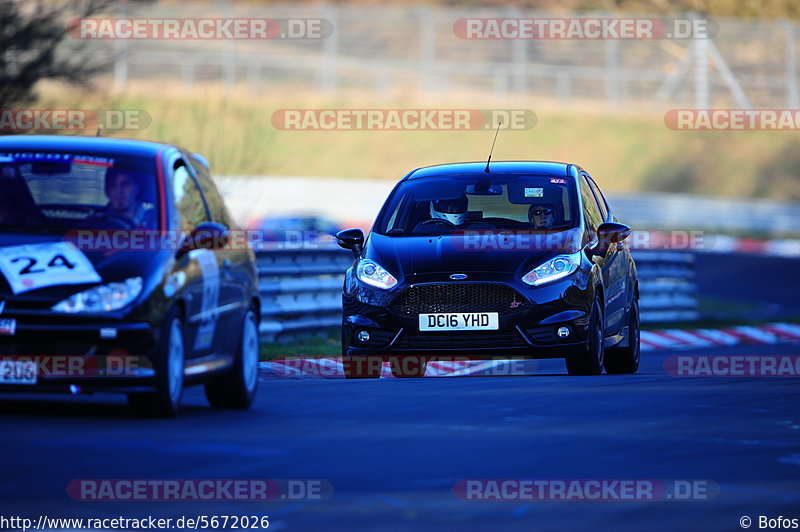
x,y
169,363
360,367
621,360
237,389
590,360
408,367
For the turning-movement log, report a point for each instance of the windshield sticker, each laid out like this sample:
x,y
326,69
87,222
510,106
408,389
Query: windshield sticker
x,y
33,157
531,192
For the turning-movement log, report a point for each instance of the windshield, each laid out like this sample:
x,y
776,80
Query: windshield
x,y
443,205
62,191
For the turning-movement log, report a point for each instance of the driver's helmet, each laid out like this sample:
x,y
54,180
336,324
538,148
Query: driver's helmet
x,y
451,210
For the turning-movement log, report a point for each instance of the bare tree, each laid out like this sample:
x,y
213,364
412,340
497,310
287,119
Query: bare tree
x,y
31,31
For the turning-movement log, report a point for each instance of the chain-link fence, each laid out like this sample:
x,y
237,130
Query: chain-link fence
x,y
416,51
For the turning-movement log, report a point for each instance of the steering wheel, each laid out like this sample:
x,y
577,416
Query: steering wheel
x,y
116,220
436,221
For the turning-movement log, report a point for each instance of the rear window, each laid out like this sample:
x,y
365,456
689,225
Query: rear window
x,y
441,205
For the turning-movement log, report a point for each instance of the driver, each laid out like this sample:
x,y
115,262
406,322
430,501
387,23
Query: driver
x,y
123,188
541,216
450,210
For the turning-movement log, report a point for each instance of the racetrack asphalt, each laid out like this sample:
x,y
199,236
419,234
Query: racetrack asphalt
x,y
393,449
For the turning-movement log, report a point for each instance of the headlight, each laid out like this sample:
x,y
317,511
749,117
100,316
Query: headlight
x,y
372,273
552,270
103,298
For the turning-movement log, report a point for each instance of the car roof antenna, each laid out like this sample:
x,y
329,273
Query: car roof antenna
x,y
99,131
496,131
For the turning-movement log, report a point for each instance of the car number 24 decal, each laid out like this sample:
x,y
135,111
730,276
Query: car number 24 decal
x,y
34,266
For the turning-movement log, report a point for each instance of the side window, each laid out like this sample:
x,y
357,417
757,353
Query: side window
x,y
601,200
592,212
219,213
191,208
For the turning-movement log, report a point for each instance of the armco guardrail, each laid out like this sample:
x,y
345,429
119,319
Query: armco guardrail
x,y
667,288
301,289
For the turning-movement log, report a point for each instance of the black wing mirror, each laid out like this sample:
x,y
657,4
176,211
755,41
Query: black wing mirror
x,y
207,235
609,233
352,239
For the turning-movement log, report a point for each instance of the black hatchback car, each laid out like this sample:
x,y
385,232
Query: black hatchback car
x,y
512,260
117,273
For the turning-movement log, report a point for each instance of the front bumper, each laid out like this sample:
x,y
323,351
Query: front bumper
x,y
527,333
80,354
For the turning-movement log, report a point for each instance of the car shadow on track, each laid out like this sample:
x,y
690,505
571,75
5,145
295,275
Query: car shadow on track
x,y
110,406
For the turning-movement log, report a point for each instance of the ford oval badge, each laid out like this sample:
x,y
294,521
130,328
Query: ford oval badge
x,y
458,276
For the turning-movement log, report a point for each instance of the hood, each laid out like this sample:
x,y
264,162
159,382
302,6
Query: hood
x,y
418,256
109,266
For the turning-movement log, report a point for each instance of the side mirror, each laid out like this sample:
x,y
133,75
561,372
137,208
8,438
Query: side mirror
x,y
352,239
610,233
207,235
613,232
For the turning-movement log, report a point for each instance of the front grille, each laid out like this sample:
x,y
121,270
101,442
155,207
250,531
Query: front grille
x,y
458,297
459,340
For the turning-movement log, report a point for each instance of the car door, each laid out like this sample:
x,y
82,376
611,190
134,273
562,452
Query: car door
x,y
614,264
234,278
201,265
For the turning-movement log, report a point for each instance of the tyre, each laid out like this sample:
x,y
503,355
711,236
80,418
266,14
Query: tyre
x,y
590,361
237,389
169,363
362,367
622,360
409,367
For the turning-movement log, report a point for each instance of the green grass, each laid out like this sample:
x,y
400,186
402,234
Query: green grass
x,y
626,151
303,348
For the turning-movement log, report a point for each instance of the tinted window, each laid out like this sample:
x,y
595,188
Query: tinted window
x,y
215,203
601,201
440,205
191,209
593,215
65,190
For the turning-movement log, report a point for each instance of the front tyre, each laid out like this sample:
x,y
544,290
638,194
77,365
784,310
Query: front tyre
x,y
237,389
621,360
169,362
362,367
408,367
590,361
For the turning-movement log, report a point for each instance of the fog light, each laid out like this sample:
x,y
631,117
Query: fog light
x,y
363,336
562,332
